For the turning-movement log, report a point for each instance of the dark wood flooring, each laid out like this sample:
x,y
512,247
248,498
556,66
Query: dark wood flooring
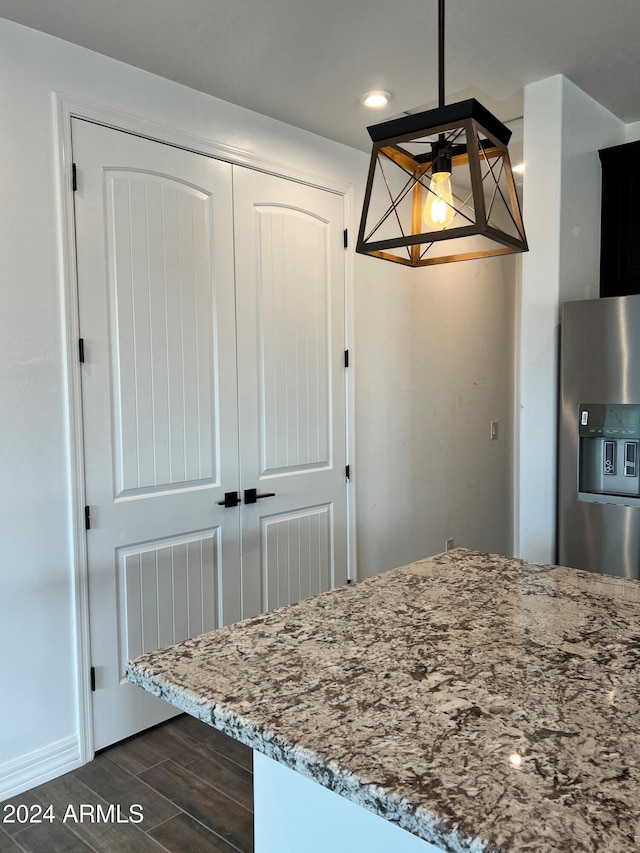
x,y
192,784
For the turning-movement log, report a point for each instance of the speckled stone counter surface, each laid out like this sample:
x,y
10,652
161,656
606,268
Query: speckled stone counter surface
x,y
479,702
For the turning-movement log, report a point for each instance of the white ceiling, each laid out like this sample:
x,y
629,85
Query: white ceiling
x,y
307,63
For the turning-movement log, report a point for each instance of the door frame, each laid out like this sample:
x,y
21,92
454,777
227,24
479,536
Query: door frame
x,y
65,108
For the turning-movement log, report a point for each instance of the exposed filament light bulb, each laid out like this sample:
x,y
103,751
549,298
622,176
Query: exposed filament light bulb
x,y
439,212
438,209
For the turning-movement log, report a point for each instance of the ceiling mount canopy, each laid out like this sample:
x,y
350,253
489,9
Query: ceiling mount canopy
x,y
440,186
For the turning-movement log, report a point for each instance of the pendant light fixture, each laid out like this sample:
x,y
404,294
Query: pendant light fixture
x,y
440,186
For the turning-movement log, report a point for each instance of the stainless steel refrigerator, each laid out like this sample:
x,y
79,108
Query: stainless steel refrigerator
x,y
598,459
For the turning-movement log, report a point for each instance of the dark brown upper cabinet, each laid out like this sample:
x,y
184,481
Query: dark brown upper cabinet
x,y
620,228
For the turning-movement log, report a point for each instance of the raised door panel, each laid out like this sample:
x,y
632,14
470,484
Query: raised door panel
x,y
295,335
168,591
162,332
296,555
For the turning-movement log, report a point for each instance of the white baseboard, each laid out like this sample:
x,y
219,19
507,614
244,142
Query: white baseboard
x,y
23,773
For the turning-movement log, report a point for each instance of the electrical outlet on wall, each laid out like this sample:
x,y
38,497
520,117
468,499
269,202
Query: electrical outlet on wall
x,y
494,430
449,544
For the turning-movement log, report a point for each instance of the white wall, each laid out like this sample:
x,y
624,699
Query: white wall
x,y
439,370
432,362
563,130
632,132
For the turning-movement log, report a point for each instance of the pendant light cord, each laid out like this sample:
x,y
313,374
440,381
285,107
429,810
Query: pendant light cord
x,y
441,53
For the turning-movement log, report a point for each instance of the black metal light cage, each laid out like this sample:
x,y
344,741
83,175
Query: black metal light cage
x,y
483,207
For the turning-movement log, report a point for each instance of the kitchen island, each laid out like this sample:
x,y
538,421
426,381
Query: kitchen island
x,y
467,702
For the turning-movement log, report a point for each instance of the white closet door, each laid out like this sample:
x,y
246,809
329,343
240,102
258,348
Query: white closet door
x,y
290,324
157,315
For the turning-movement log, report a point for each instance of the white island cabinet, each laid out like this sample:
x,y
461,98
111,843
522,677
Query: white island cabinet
x,y
295,814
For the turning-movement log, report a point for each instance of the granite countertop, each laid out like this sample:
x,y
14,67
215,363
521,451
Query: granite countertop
x,y
479,702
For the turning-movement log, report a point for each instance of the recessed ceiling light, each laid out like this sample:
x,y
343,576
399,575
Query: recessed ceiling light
x,y
376,99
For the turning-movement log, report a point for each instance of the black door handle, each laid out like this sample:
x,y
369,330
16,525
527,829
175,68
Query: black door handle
x,y
251,496
231,499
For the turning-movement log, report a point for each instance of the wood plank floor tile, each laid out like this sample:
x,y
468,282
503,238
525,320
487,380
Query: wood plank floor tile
x,y
7,844
27,799
63,792
194,783
183,833
134,754
176,744
66,794
50,838
116,838
115,785
230,778
218,741
226,817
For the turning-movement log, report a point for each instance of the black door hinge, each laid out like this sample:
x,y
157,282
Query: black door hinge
x,y
81,350
87,518
74,177
92,678
347,473
345,237
346,358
